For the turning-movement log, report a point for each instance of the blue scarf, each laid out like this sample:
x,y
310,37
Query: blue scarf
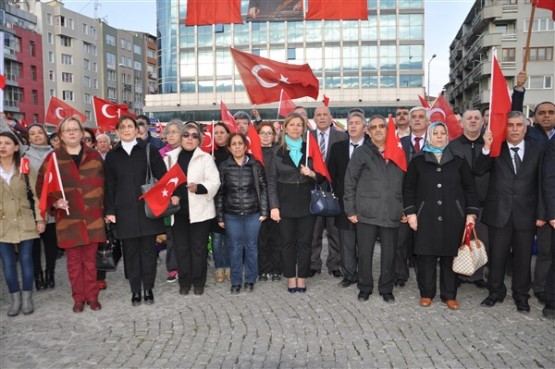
x,y
428,147
294,147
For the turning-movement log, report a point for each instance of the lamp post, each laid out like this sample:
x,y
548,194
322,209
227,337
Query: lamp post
x,y
428,90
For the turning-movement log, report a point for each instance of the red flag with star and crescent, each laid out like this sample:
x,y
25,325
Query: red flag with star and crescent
x,y
158,197
107,113
51,183
58,110
227,118
208,139
393,149
264,78
441,112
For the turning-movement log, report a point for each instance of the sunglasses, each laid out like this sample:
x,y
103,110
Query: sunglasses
x,y
379,126
187,135
87,139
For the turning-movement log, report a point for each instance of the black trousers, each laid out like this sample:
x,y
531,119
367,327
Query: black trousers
x,y
333,262
140,256
501,242
368,234
269,248
550,283
349,253
50,242
543,259
296,238
426,276
403,252
190,242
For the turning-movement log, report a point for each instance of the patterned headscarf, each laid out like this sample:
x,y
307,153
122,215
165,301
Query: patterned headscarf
x,y
429,147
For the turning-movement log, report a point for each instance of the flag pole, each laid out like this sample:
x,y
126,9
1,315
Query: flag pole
x,y
529,36
212,138
307,146
59,179
493,57
279,105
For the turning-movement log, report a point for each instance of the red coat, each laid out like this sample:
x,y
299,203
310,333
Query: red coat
x,y
84,191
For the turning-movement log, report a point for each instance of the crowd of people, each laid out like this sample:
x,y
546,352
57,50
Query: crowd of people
x,y
256,215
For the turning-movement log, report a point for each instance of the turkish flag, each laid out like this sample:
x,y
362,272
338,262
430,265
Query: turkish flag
x,y
227,118
24,167
326,100
441,112
286,105
264,78
423,102
255,146
2,81
317,160
107,113
336,10
51,182
208,12
208,140
393,149
546,4
499,107
58,110
158,197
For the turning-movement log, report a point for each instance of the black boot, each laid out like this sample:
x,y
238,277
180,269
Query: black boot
x,y
39,281
49,279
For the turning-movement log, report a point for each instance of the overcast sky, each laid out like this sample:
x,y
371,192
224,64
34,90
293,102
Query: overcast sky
x,y
443,20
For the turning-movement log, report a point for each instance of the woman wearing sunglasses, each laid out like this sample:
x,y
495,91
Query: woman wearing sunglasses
x,y
196,199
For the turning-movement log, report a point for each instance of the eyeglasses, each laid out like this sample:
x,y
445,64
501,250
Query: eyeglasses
x,y
380,126
187,135
266,133
87,139
71,130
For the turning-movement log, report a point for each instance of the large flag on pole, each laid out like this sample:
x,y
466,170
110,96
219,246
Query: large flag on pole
x,y
546,4
264,79
393,149
207,12
441,112
499,106
58,110
107,113
52,183
336,10
159,196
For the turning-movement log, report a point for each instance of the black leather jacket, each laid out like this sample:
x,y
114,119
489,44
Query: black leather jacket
x,y
243,189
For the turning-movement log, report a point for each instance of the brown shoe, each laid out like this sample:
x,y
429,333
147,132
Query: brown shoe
x,y
220,275
425,301
452,304
227,274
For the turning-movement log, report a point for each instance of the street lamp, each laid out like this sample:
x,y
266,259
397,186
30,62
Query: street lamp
x,y
432,58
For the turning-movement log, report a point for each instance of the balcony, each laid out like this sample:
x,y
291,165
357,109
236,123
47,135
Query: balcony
x,y
491,40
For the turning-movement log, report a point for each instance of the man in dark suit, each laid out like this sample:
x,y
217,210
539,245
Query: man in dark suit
x,y
412,144
326,136
548,187
339,157
540,133
510,210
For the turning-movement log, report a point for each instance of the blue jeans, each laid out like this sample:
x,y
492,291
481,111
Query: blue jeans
x,y
9,260
220,250
242,232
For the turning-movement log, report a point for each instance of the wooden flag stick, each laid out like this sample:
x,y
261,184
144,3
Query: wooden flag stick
x,y
528,37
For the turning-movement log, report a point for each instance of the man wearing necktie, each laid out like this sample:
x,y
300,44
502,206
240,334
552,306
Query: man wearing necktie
x,y
326,135
511,210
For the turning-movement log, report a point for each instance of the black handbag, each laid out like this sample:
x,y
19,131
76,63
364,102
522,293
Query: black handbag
x,y
324,203
150,181
109,252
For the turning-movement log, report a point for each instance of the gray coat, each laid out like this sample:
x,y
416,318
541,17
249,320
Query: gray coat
x,y
373,188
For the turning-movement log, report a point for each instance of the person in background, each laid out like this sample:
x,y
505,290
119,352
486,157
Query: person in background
x,y
143,124
269,241
197,209
37,150
103,144
220,249
79,215
55,140
89,139
402,121
125,170
241,206
440,199
243,121
21,217
289,185
172,132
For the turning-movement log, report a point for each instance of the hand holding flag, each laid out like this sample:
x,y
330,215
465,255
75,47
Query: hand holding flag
x,y
159,196
52,183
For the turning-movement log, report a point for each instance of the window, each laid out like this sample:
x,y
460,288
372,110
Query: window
x,y
86,81
541,54
32,48
33,72
51,58
67,95
89,48
86,64
50,38
540,82
49,20
61,20
13,96
540,25
110,60
151,53
67,59
67,77
508,55
65,41
110,40
51,75
51,92
291,53
137,66
94,67
125,44
13,70
35,96
137,49
87,98
85,29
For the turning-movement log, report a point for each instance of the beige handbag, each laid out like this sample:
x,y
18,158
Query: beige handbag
x,y
472,254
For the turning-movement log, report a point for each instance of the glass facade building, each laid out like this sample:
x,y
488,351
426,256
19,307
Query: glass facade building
x,y
372,63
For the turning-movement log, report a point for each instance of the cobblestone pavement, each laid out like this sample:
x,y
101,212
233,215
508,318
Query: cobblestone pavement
x,y
269,328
